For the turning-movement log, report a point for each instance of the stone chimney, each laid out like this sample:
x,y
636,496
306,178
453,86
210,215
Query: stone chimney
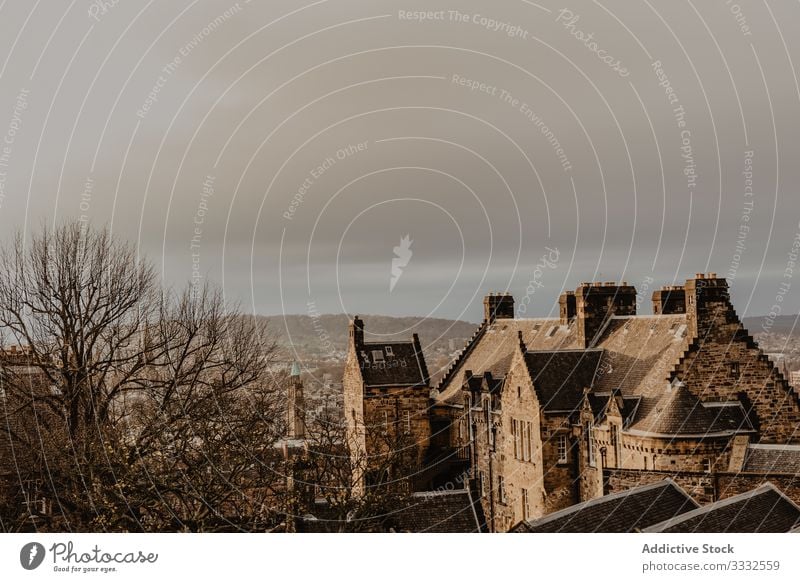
x,y
669,300
567,307
597,302
498,306
708,303
357,332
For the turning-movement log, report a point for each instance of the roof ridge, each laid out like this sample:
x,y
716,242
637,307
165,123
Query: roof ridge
x,y
667,481
761,489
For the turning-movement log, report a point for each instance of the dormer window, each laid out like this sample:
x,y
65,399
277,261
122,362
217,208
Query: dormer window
x,y
389,351
377,355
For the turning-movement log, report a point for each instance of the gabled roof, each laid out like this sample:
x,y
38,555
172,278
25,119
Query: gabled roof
x,y
640,354
440,512
772,459
634,355
560,377
762,510
492,347
599,401
623,512
392,364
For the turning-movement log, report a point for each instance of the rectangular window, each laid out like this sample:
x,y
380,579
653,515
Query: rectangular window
x,y
525,452
408,422
707,465
501,489
590,443
482,484
389,351
562,448
515,434
530,438
616,440
735,370
526,507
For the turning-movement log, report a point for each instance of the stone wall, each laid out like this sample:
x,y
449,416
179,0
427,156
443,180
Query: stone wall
x,y
560,478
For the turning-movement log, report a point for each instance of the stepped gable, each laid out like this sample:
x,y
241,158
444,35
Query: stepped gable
x,y
680,413
392,364
763,510
772,459
723,362
492,348
561,377
623,512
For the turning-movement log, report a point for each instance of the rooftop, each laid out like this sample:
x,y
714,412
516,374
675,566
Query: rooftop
x,y
623,512
772,459
762,510
392,364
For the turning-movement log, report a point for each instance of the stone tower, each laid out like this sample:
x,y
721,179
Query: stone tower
x,y
296,407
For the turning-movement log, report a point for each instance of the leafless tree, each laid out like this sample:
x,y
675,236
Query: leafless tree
x,y
152,410
333,468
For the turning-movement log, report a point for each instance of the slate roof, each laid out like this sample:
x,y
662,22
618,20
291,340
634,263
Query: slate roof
x,y
560,377
426,512
634,355
440,512
392,364
599,403
680,413
772,459
623,512
639,355
492,349
763,510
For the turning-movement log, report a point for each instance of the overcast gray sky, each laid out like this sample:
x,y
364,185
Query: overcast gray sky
x,y
223,139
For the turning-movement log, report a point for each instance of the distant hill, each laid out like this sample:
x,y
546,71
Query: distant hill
x,y
324,334
320,335
783,324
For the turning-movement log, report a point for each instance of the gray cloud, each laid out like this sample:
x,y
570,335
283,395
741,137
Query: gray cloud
x,y
552,148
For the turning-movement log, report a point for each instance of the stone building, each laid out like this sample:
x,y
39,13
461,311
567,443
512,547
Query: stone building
x,y
386,393
540,413
29,428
